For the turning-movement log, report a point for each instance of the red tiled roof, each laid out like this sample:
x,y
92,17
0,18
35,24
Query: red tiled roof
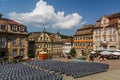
x,y
86,29
33,35
112,16
67,40
113,22
9,21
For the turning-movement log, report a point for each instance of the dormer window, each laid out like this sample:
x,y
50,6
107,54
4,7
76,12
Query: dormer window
x,y
22,29
3,26
14,27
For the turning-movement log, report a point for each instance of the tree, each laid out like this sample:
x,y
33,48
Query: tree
x,y
72,52
31,55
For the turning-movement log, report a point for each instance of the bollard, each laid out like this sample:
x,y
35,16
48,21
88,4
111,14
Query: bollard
x,y
104,59
101,59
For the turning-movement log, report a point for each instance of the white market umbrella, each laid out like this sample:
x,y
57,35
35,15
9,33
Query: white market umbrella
x,y
106,53
92,52
116,53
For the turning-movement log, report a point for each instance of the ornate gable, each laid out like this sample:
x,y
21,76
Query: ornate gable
x,y
57,37
44,36
104,21
108,20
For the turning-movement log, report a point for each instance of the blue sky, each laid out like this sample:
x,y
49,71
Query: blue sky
x,y
65,16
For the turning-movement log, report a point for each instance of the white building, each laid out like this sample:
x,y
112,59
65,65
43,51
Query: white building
x,y
67,45
106,33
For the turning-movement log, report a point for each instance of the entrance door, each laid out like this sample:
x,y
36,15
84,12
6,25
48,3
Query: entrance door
x,y
2,54
83,52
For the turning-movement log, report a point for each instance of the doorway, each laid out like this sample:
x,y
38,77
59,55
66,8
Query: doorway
x,y
2,54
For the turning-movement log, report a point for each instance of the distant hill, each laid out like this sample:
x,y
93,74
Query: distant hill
x,y
65,36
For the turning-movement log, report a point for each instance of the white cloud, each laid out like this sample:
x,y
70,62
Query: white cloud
x,y
44,15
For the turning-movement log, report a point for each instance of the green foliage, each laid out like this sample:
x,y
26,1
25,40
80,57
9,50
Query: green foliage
x,y
82,58
66,37
14,61
91,57
72,52
5,58
31,55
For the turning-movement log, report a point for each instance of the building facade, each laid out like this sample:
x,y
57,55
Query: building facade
x,y
83,39
13,37
67,45
45,41
106,33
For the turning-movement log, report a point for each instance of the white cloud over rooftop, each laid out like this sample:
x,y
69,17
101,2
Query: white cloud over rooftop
x,y
45,15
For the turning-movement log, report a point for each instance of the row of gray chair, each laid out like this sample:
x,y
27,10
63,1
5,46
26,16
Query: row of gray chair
x,y
76,69
21,71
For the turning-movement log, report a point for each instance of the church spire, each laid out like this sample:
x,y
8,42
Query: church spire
x,y
44,30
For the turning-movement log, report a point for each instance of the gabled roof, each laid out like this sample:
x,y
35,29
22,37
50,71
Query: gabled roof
x,y
9,21
68,40
114,15
86,29
33,35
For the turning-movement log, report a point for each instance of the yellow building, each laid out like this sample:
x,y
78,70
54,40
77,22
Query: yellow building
x,y
13,37
83,39
45,41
